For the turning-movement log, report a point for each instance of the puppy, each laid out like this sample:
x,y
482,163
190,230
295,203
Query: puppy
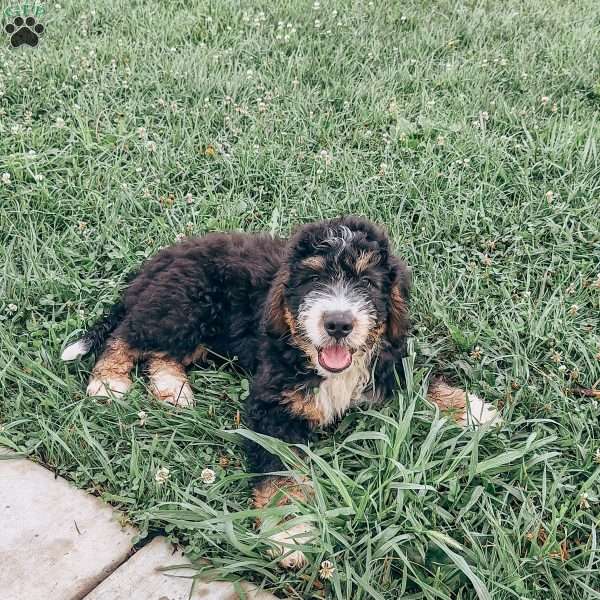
x,y
321,322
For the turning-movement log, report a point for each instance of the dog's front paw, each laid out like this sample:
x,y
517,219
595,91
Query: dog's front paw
x,y
478,413
468,410
285,541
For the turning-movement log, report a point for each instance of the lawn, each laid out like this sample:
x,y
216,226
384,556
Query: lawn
x,y
470,129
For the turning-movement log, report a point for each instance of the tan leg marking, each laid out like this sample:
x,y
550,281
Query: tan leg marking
x,y
198,355
267,489
302,404
110,375
466,410
302,533
168,381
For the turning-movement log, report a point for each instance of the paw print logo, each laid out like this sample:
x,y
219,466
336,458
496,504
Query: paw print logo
x,y
24,31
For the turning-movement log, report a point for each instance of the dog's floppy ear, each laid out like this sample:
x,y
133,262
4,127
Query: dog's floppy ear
x,y
398,323
274,317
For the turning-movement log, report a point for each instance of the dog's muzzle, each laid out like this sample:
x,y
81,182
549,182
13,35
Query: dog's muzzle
x,y
338,324
336,320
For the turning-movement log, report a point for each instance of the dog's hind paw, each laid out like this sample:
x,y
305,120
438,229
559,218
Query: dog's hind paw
x,y
107,388
173,390
168,381
75,350
285,540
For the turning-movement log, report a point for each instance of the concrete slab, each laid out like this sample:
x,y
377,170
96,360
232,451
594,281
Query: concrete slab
x,y
55,541
141,578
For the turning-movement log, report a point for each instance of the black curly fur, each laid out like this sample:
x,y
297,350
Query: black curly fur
x,y
234,293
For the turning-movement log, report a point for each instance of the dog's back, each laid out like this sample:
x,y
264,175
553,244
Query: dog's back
x,y
208,290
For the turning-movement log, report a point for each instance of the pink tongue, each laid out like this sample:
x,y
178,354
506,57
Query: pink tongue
x,y
335,358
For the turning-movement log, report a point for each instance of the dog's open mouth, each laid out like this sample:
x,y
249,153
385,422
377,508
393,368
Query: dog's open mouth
x,y
335,358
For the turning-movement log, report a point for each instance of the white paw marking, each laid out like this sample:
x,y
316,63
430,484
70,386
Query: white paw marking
x,y
284,541
108,387
75,350
478,412
172,389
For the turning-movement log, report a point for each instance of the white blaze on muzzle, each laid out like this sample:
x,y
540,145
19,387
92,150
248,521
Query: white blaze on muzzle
x,y
336,297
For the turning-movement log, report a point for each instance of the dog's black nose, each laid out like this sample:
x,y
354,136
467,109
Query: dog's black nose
x,y
338,323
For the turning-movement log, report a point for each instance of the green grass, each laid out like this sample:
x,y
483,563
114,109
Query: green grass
x,y
470,129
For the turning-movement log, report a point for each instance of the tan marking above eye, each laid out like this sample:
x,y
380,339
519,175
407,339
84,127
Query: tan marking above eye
x,y
316,263
366,260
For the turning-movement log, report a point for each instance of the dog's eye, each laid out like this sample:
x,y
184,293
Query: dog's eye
x,y
370,283
310,277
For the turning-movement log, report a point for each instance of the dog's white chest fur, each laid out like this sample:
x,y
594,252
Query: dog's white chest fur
x,y
338,391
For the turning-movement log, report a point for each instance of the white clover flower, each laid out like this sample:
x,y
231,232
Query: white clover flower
x,y
476,353
326,156
151,146
326,570
556,357
142,417
162,475
208,476
5,178
12,307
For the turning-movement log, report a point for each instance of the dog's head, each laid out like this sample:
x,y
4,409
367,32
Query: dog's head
x,y
338,292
